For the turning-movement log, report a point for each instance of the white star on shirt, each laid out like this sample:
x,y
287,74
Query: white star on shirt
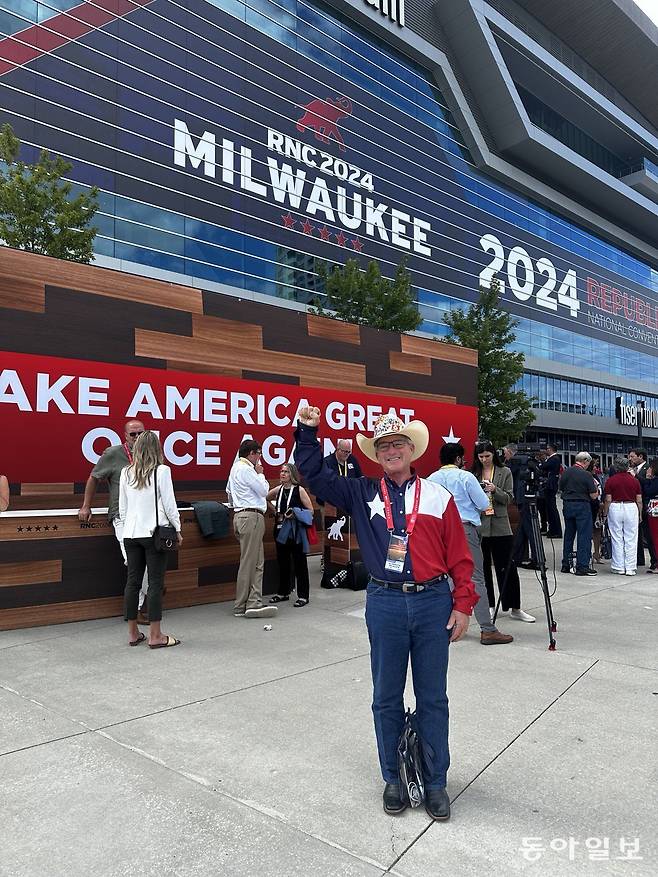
x,y
450,439
376,507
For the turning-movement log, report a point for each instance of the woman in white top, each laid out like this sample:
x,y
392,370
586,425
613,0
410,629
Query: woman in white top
x,y
137,511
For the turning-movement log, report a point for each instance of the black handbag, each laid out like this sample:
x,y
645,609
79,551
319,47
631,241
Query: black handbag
x,y
165,537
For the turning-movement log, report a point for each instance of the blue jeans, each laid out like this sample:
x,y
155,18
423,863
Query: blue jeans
x,y
399,626
577,519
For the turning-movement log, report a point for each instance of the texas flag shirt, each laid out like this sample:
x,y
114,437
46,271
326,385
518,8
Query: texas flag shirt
x,y
437,545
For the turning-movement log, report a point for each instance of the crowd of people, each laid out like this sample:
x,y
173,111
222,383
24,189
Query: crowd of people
x,y
618,509
431,546
613,513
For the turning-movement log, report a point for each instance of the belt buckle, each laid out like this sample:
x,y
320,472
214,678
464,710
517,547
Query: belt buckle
x,y
409,587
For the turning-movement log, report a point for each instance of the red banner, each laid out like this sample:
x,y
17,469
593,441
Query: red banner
x,y
58,415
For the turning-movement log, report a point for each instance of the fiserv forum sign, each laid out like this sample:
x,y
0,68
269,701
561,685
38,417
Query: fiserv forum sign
x,y
393,9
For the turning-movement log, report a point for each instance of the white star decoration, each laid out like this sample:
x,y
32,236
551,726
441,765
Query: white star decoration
x,y
450,439
376,507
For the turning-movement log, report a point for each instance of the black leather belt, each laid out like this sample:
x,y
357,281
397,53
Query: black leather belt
x,y
258,511
409,587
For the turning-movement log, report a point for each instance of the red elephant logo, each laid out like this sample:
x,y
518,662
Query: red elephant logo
x,y
323,115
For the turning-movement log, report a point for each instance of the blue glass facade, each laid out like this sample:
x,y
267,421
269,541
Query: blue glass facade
x,y
242,248
571,135
575,397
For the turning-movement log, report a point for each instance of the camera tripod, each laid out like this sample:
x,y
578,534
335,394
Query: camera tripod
x,y
536,550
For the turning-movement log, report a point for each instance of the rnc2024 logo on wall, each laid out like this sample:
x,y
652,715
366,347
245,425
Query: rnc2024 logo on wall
x,y
323,116
323,196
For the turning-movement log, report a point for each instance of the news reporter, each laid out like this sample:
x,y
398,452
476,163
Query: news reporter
x,y
497,540
137,511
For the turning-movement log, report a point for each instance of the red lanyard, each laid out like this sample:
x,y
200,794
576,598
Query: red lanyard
x,y
128,454
389,513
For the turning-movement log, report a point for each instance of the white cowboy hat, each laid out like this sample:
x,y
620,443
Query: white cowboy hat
x,y
389,425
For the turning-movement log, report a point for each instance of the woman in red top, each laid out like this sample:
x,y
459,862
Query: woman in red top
x,y
623,507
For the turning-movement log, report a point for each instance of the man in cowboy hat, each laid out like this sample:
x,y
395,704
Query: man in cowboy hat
x,y
411,539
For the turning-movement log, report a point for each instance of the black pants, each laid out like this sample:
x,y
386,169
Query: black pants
x,y
644,538
554,523
499,549
291,557
142,555
541,510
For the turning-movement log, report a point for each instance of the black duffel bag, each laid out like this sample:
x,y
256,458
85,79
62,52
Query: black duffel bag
x,y
357,576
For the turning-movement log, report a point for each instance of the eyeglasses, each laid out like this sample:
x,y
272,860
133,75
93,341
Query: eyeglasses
x,y
135,434
397,444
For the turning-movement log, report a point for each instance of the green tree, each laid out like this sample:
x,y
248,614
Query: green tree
x,y
367,298
505,413
37,212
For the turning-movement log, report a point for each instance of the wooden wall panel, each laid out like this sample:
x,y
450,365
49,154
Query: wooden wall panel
x,y
181,580
101,281
52,527
334,330
229,332
22,294
225,354
108,607
65,570
30,572
438,350
223,551
28,489
410,362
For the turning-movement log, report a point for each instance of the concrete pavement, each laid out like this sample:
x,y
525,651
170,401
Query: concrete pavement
x,y
251,752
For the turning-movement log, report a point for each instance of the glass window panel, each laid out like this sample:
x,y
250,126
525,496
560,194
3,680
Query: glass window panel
x,y
206,253
216,274
132,232
130,253
234,7
104,246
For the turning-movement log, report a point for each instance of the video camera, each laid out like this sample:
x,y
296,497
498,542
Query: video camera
x,y
531,477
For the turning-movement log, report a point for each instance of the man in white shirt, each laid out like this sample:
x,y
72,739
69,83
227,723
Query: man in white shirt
x,y
247,490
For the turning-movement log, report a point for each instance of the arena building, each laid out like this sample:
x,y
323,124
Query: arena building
x,y
235,144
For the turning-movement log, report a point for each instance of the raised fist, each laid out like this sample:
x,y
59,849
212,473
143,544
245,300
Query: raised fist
x,y
309,416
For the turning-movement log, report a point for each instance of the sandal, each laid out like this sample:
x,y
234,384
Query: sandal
x,y
140,639
300,602
171,641
278,599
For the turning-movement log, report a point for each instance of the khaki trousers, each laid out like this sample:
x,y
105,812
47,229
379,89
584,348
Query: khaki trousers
x,y
249,529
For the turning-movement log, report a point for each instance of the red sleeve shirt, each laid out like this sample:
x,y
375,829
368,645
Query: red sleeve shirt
x,y
623,487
